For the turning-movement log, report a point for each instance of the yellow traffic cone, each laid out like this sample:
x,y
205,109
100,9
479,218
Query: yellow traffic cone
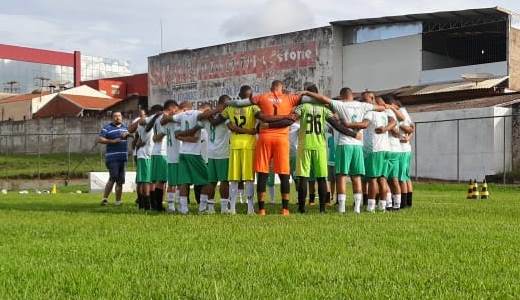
x,y
54,190
475,190
484,192
470,190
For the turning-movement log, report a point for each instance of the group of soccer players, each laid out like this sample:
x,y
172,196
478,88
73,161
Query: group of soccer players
x,y
306,135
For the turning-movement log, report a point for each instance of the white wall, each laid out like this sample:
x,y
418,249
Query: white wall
x,y
452,74
381,65
480,144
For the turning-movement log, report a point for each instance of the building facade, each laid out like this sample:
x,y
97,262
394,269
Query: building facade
x,y
376,54
23,69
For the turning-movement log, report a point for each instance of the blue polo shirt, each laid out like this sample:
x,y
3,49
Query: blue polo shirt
x,y
119,151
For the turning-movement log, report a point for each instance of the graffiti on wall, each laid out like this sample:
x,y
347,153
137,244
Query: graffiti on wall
x,y
192,76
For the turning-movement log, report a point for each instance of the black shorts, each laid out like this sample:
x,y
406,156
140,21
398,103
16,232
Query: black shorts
x,y
116,169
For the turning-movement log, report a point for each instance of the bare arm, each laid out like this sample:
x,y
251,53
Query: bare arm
x,y
269,119
133,127
357,125
105,141
408,129
208,114
239,130
391,124
240,102
336,124
279,124
189,132
158,137
400,116
320,98
188,139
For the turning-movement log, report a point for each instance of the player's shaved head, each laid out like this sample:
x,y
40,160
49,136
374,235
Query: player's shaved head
x,y
380,101
245,92
277,86
156,108
311,87
346,94
185,105
223,99
170,107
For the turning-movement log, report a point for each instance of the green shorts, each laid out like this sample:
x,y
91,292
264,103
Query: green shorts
x,y
392,161
192,170
173,177
349,160
144,170
375,164
405,159
218,169
159,168
312,163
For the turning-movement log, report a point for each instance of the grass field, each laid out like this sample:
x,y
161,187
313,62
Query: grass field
x,y
66,246
51,165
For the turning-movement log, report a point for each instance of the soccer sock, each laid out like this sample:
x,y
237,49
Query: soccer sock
x,y
233,190
328,197
322,193
183,204
147,202
365,199
159,198
261,205
139,201
312,198
358,200
177,195
250,193
342,198
271,193
302,193
224,204
285,204
382,205
197,189
404,200
397,201
409,202
388,199
210,203
171,201
153,199
371,205
203,204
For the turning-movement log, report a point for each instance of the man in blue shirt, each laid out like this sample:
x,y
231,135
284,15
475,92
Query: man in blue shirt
x,y
115,135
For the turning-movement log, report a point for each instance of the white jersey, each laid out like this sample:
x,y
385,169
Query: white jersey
x,y
293,138
351,112
218,140
405,147
146,137
188,120
173,145
372,141
158,148
394,143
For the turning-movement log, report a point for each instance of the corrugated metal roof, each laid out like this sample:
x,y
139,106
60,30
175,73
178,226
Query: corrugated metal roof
x,y
502,100
451,87
424,17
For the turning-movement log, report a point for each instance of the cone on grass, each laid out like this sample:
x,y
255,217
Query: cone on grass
x,y
470,190
475,194
484,192
54,190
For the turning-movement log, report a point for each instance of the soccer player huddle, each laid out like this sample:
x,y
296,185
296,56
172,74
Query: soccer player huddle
x,y
305,135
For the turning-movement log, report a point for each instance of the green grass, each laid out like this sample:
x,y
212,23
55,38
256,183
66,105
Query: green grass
x,y
66,246
51,165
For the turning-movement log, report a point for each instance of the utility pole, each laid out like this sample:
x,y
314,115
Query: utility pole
x,y
42,84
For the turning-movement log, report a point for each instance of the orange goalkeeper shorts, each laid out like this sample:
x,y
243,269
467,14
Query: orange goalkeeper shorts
x,y
273,148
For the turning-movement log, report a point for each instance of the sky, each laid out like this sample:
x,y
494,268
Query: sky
x,y
130,29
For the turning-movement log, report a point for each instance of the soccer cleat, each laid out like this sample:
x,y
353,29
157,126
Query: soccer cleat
x,y
170,210
104,202
261,212
285,212
118,203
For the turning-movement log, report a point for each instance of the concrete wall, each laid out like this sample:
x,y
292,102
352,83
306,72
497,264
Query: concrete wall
x,y
480,147
384,64
49,135
206,73
514,59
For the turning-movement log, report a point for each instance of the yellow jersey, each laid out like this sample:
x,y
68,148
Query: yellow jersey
x,y
243,117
